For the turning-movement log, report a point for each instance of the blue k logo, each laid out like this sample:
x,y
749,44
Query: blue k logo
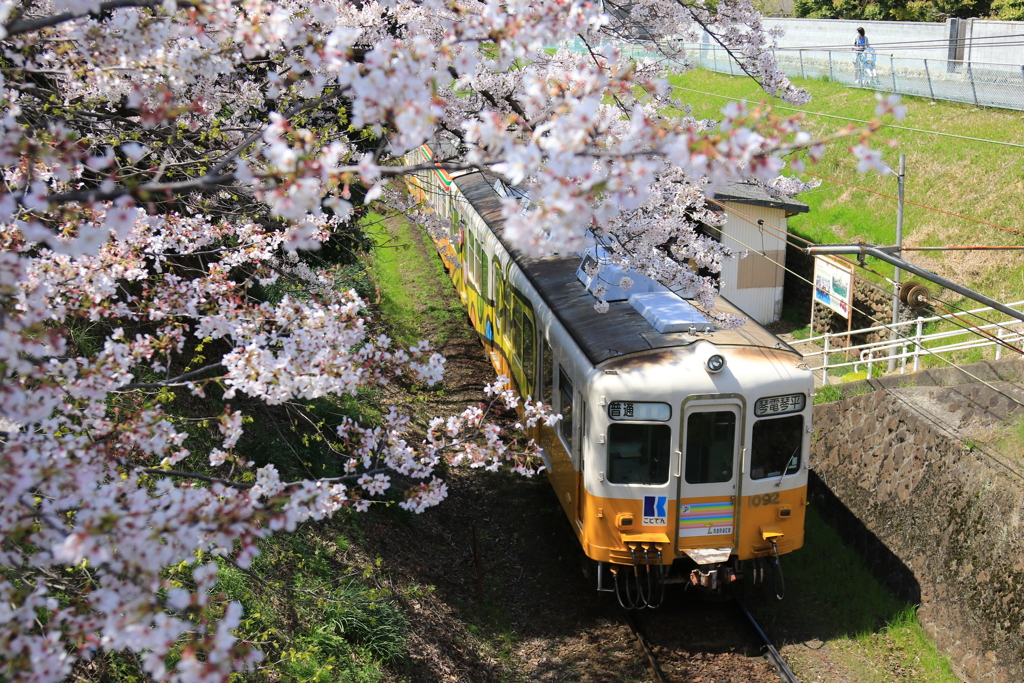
x,y
654,506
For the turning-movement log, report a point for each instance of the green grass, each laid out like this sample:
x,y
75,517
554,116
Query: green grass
x,y
874,635
828,394
315,612
907,649
960,176
407,278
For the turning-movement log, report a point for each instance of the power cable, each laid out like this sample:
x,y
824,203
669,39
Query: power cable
x,y
994,323
892,331
785,239
782,234
849,118
936,43
923,206
973,328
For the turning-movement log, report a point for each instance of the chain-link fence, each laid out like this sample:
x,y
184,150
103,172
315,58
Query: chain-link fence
x,y
983,84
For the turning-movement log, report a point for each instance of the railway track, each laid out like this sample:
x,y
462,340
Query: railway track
x,y
771,654
741,615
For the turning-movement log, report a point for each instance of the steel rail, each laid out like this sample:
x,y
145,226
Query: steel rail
x,y
771,653
650,661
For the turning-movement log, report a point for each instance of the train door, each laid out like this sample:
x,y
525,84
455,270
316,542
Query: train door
x,y
711,446
581,460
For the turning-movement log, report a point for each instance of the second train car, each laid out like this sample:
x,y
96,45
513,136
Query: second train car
x,y
681,455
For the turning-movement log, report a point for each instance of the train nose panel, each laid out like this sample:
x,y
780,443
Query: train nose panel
x,y
707,523
708,555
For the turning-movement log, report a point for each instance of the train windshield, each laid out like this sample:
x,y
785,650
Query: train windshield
x,y
638,453
776,445
710,447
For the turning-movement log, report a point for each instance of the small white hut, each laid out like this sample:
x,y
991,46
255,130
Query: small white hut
x,y
757,224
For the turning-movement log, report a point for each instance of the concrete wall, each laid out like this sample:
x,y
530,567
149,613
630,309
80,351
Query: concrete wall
x,y
897,37
940,518
839,34
984,38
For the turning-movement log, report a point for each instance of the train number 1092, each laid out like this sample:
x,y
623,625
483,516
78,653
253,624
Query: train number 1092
x,y
766,499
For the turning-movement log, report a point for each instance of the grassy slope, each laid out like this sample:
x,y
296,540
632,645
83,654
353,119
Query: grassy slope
x,y
976,179
873,636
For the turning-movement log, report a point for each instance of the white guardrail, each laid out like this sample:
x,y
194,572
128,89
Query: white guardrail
x,y
909,343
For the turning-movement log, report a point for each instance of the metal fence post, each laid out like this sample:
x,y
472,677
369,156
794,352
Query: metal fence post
x,y
824,362
999,347
917,345
801,53
974,91
892,72
928,75
831,74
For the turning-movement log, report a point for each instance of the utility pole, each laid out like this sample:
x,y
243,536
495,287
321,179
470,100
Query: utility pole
x,y
899,254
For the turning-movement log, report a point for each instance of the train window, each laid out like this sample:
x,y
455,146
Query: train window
x,y
565,389
638,453
710,447
470,256
529,351
776,445
483,266
547,379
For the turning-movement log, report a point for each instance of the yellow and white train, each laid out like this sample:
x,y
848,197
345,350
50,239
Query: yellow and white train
x,y
681,455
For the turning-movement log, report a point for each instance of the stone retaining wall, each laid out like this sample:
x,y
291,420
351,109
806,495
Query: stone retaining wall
x,y
940,517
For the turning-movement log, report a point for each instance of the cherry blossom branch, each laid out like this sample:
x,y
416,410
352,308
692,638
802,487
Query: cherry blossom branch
x,y
30,25
142,192
158,471
175,381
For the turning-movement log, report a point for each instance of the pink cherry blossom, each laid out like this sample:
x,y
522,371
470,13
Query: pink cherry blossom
x,y
167,165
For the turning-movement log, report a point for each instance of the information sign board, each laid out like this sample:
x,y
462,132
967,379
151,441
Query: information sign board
x,y
833,284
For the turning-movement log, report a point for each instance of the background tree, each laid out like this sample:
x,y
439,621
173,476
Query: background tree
x,y
892,10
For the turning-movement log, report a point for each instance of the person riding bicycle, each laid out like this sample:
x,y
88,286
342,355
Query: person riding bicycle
x,y
860,47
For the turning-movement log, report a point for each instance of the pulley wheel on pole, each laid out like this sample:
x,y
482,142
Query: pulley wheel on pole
x,y
914,294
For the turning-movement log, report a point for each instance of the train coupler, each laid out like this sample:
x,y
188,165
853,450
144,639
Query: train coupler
x,y
713,579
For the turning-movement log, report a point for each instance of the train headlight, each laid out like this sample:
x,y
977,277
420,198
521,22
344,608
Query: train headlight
x,y
715,363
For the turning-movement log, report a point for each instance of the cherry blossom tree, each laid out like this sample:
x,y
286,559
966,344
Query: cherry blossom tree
x,y
167,164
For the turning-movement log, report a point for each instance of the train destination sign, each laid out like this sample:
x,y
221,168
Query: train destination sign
x,y
638,410
777,405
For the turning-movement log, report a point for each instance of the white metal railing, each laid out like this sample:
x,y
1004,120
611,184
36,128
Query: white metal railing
x,y
977,83
908,343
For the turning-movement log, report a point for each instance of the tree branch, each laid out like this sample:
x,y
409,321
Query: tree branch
x,y
169,382
29,25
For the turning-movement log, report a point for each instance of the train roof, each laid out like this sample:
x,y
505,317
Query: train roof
x,y
601,336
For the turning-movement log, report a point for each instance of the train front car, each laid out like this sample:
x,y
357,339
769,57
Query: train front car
x,y
698,470
682,448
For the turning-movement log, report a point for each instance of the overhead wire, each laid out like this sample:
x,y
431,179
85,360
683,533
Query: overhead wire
x,y
784,234
979,41
787,235
855,120
923,206
916,343
994,323
938,303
